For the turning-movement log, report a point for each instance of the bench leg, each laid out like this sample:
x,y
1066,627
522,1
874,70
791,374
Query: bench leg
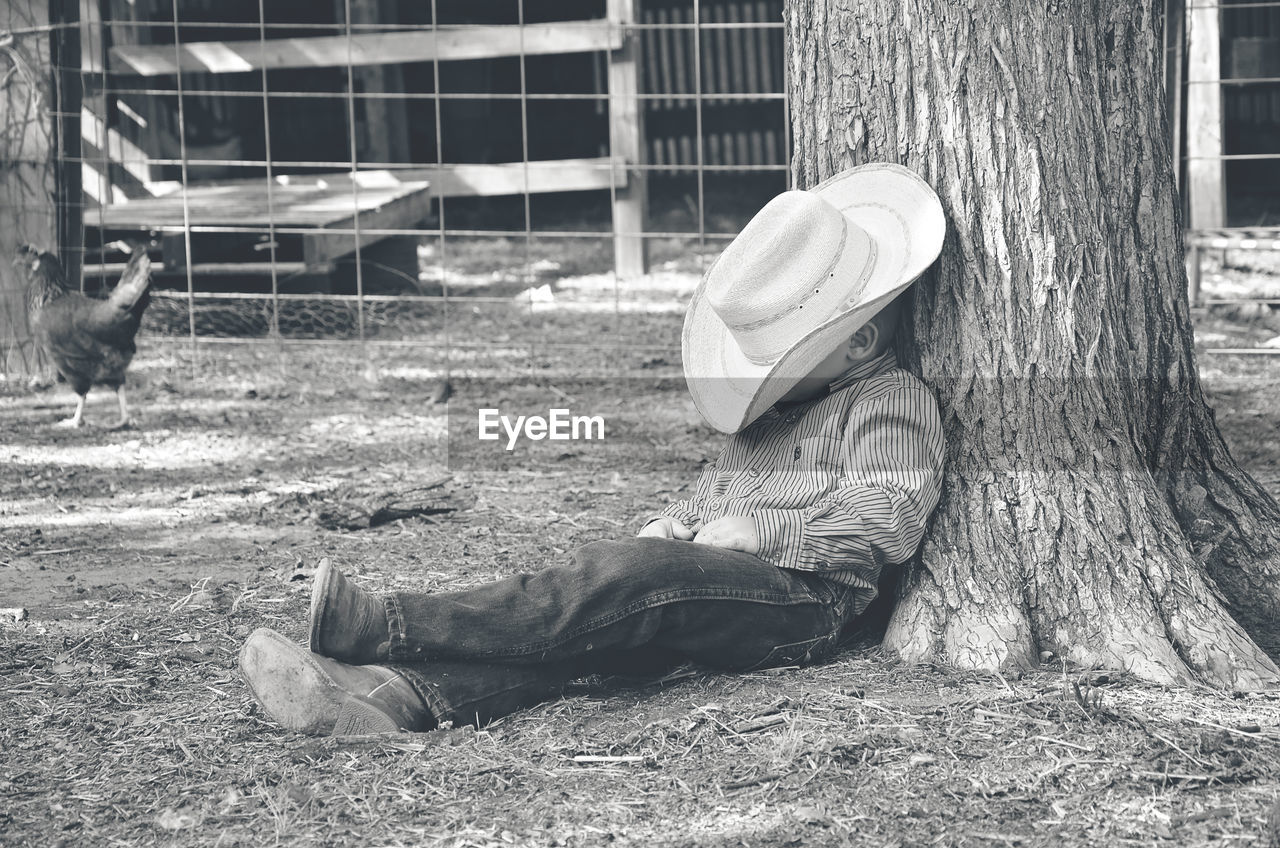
x,y
388,266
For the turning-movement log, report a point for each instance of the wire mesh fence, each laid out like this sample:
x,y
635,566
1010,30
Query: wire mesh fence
x,y
382,172
442,175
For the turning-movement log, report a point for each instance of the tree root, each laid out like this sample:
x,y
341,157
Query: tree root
x,y
985,632
1106,581
1233,528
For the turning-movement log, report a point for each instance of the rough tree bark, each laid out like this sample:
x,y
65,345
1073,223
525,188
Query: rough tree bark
x,y
1091,507
27,173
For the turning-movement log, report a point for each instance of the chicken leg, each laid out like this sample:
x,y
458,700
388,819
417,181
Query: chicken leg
x,y
124,410
77,419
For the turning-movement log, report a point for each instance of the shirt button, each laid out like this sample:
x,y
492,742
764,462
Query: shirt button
x,y
754,472
796,453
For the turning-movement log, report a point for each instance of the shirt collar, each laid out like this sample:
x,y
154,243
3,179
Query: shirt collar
x,y
861,371
864,370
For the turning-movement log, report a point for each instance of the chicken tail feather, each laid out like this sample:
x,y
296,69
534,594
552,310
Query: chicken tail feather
x,y
134,282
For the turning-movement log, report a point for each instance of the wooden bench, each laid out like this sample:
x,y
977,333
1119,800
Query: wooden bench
x,y
312,221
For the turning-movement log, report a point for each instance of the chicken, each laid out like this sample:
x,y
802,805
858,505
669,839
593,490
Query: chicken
x,y
90,341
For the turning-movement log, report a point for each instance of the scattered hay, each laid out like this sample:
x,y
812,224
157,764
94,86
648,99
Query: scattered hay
x,y
128,724
123,720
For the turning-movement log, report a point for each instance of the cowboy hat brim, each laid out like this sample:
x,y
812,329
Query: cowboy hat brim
x,y
903,217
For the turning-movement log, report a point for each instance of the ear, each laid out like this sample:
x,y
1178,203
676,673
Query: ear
x,y
864,341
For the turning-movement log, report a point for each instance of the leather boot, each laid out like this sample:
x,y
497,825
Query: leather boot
x,y
319,696
347,623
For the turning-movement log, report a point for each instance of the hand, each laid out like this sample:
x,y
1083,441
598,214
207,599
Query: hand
x,y
734,532
666,528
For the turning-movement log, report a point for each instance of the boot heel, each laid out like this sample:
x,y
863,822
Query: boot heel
x,y
357,718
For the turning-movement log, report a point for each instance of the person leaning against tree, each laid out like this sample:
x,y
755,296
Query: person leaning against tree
x,y
832,468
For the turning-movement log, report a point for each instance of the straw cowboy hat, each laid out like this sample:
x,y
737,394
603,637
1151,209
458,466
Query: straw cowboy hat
x,y
804,274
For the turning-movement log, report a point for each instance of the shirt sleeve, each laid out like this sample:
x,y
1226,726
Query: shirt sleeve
x,y
893,454
688,511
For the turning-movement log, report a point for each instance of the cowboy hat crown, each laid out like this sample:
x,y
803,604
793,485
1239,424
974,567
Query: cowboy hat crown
x,y
805,274
795,266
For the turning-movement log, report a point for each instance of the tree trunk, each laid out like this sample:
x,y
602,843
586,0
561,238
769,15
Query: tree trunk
x,y
27,169
1091,508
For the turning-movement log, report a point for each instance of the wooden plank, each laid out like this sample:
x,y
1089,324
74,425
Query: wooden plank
x,y
138,117
296,202
735,37
403,211
111,148
368,49
324,201
112,270
552,175
1205,171
767,39
751,49
1245,238
1253,57
173,251
651,66
664,59
383,130
682,55
626,142
724,80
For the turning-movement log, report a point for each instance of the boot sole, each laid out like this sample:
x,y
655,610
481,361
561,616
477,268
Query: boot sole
x,y
298,693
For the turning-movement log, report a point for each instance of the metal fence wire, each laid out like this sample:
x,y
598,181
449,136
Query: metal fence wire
x,y
397,173
450,174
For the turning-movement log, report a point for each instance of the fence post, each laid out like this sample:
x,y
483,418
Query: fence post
x,y
384,136
626,144
68,97
28,212
1205,174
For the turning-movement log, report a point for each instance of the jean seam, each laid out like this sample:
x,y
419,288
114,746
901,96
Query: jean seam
x,y
436,703
489,693
649,602
395,625
809,645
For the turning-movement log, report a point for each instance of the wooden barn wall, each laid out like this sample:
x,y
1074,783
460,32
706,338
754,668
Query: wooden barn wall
x,y
736,129
1251,111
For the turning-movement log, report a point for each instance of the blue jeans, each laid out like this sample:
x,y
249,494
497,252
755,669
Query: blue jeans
x,y
481,653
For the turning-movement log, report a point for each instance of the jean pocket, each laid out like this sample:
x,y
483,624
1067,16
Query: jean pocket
x,y
798,653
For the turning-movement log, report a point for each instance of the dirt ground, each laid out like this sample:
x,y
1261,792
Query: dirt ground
x,y
142,558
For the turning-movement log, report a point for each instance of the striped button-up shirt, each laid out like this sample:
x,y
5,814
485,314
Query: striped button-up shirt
x,y
841,485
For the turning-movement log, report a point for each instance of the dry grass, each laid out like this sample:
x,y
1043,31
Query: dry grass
x,y
128,725
146,557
